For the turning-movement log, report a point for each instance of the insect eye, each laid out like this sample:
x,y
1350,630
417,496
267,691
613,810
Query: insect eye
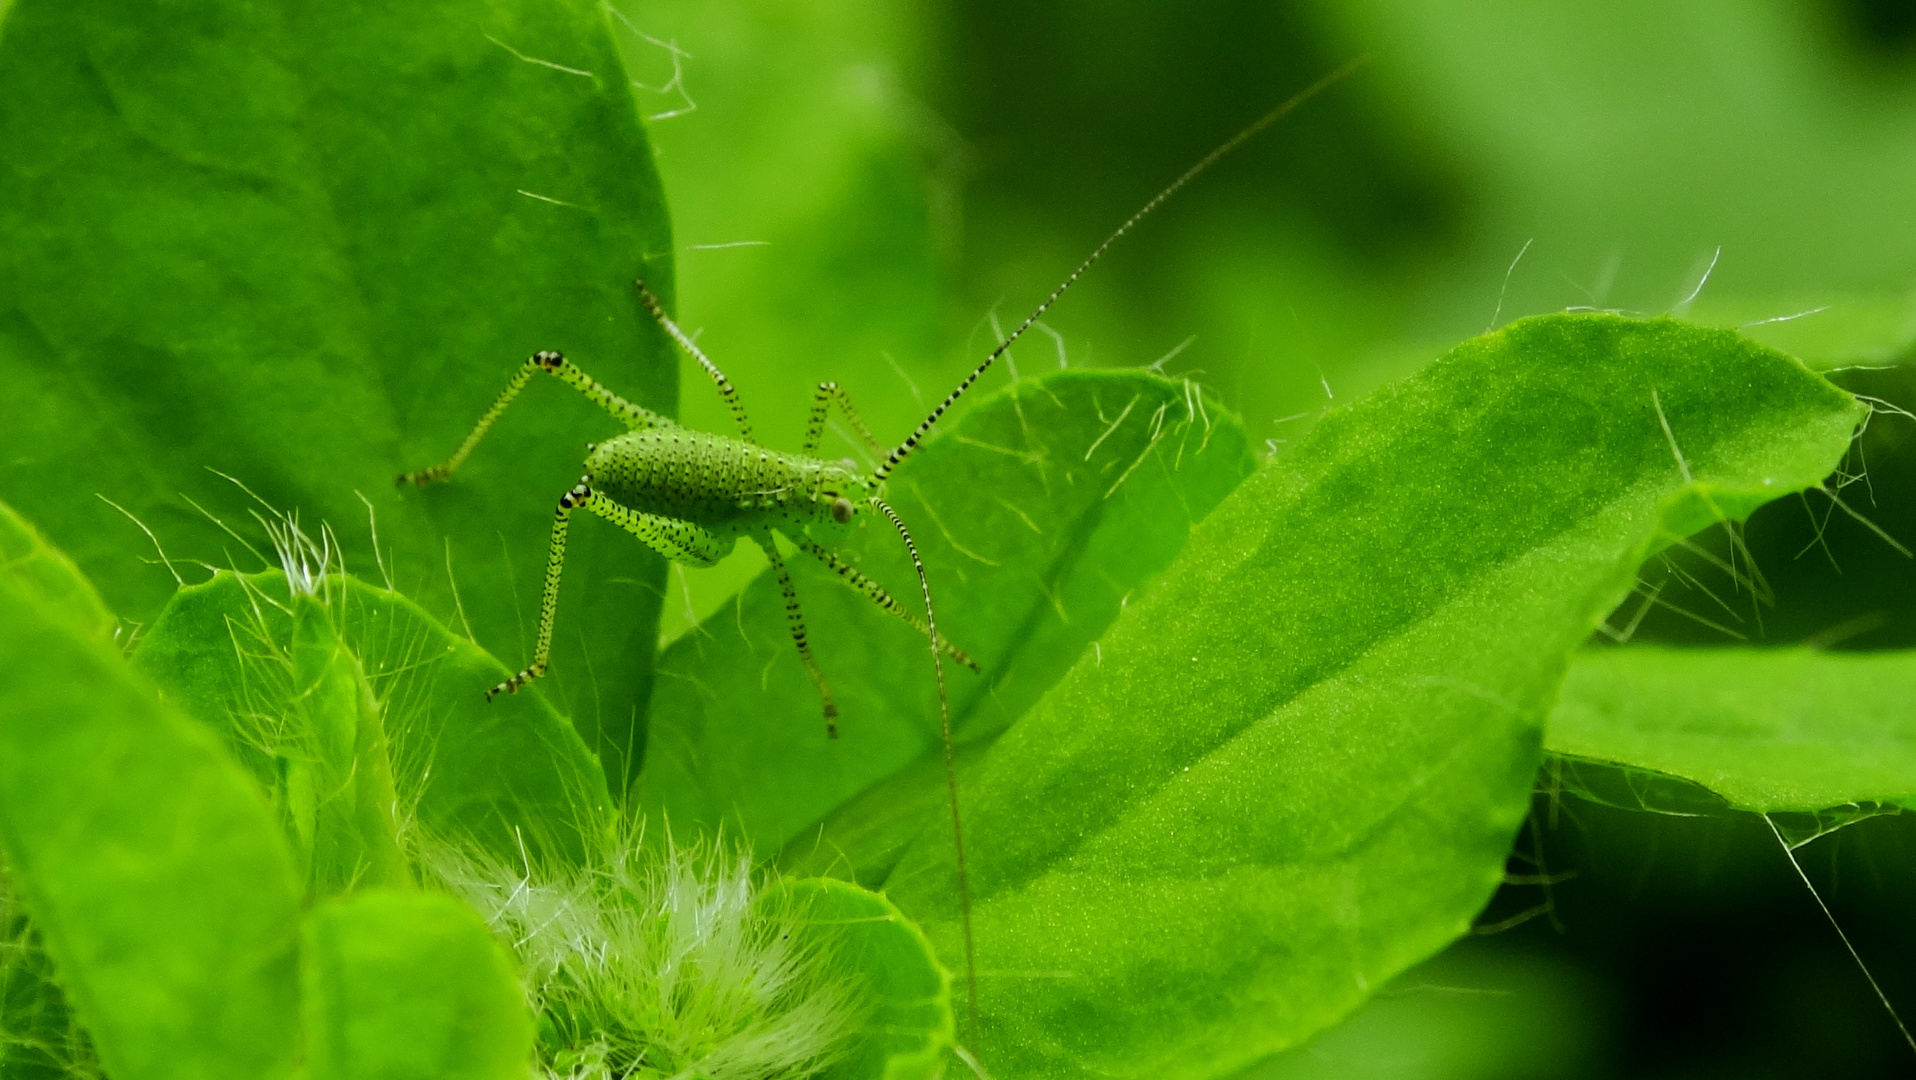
x,y
841,510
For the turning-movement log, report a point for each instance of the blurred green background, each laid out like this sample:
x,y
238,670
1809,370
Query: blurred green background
x,y
860,187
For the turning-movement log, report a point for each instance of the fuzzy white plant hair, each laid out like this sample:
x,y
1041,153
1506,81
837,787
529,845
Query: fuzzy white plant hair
x,y
306,562
656,962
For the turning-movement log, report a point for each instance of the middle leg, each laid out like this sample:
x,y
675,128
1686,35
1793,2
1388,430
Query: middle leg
x,y
822,399
876,594
797,620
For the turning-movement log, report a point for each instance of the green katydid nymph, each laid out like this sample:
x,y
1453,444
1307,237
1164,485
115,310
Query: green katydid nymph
x,y
691,495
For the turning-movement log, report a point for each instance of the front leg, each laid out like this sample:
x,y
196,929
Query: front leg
x,y
725,388
876,593
822,399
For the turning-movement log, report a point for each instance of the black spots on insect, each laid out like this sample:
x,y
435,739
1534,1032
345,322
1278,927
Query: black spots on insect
x,y
423,477
841,510
549,359
512,685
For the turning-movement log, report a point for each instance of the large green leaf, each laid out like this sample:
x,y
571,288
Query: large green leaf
x,y
1295,767
901,994
409,986
305,244
1480,1010
148,861
40,1038
504,773
1768,730
348,761
1036,516
32,564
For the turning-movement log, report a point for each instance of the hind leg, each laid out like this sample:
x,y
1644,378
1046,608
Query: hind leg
x,y
679,541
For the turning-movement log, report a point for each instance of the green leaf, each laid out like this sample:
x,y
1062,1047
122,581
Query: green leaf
x,y
1480,1010
1768,730
503,773
45,573
306,245
148,861
409,986
343,757
897,987
40,1038
39,1035
902,994
1036,515
1856,329
867,834
1296,768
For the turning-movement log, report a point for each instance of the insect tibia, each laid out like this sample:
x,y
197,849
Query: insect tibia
x,y
796,619
951,765
420,478
512,685
876,594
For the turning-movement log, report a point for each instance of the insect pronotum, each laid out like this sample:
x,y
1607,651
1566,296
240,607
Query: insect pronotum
x,y
690,495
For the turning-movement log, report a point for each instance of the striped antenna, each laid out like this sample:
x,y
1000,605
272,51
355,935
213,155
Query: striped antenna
x,y
951,771
904,449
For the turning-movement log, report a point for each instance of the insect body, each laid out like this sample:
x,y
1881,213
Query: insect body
x,y
690,495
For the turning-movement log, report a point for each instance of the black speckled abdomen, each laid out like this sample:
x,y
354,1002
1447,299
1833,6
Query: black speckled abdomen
x,y
723,484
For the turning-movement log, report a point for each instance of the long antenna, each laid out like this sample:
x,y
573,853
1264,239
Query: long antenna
x,y
951,770
904,449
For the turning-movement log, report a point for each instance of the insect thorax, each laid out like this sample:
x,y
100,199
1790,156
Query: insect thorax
x,y
720,483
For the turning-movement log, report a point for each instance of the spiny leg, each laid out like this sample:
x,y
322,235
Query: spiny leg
x,y
951,767
680,541
876,594
797,619
725,388
677,540
633,416
822,399
549,599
